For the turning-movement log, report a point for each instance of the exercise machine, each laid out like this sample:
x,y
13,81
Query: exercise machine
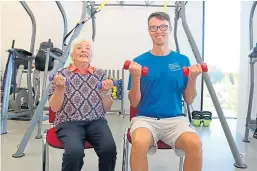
x,y
180,13
13,53
251,123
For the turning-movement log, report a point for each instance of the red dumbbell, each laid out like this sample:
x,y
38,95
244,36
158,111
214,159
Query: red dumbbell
x,y
144,69
185,70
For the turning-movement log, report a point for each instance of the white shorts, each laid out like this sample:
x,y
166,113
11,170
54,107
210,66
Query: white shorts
x,y
166,130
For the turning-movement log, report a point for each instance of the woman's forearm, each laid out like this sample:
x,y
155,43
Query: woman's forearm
x,y
107,102
56,100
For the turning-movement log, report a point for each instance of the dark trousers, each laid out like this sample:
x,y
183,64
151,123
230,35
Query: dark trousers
x,y
73,135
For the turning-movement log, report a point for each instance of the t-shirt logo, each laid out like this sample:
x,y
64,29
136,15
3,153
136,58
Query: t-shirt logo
x,y
174,67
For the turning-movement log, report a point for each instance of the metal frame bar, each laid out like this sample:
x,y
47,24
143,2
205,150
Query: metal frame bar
x,y
239,162
20,151
65,22
122,4
32,47
92,12
186,106
7,89
250,124
203,36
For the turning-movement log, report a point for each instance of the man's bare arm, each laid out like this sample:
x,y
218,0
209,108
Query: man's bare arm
x,y
134,94
190,91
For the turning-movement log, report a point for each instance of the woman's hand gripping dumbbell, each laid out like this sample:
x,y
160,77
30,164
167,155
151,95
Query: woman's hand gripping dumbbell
x,y
59,80
195,70
135,69
107,84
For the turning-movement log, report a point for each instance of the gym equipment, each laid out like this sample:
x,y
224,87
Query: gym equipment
x,y
51,77
185,70
99,84
180,13
40,59
61,62
20,64
251,124
111,73
201,117
144,70
26,113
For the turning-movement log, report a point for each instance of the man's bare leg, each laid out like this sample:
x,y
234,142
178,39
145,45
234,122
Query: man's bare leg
x,y
191,144
142,140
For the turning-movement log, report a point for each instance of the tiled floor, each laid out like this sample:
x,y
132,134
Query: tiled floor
x,y
217,154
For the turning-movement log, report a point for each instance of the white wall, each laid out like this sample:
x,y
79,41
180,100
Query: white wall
x,y
244,76
120,35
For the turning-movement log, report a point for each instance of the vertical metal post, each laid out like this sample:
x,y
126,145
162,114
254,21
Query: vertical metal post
x,y
35,118
203,36
118,74
176,18
109,73
38,136
250,101
176,26
32,46
239,162
113,74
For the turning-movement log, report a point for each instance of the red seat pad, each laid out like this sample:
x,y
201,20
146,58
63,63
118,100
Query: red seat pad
x,y
53,141
160,144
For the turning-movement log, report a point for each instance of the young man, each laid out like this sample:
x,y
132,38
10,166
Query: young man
x,y
158,99
80,110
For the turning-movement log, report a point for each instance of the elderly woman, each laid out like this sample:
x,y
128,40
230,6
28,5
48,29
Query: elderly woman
x,y
80,110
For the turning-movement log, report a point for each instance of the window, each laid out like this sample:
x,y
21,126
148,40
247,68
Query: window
x,y
222,54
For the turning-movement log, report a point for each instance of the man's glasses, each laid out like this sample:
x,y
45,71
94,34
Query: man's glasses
x,y
161,27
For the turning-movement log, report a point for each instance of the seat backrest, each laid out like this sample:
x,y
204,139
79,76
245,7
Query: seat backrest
x,y
133,112
51,117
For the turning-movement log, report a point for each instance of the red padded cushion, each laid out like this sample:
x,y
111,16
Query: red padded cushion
x,y
51,116
160,144
133,112
53,141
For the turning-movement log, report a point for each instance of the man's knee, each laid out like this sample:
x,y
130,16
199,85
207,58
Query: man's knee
x,y
142,140
195,144
190,142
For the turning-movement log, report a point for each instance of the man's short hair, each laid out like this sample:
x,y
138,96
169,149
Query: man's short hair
x,y
160,16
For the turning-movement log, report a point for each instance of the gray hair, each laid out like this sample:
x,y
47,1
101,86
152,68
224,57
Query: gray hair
x,y
77,41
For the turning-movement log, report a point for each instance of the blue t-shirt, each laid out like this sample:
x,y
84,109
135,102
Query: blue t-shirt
x,y
164,85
